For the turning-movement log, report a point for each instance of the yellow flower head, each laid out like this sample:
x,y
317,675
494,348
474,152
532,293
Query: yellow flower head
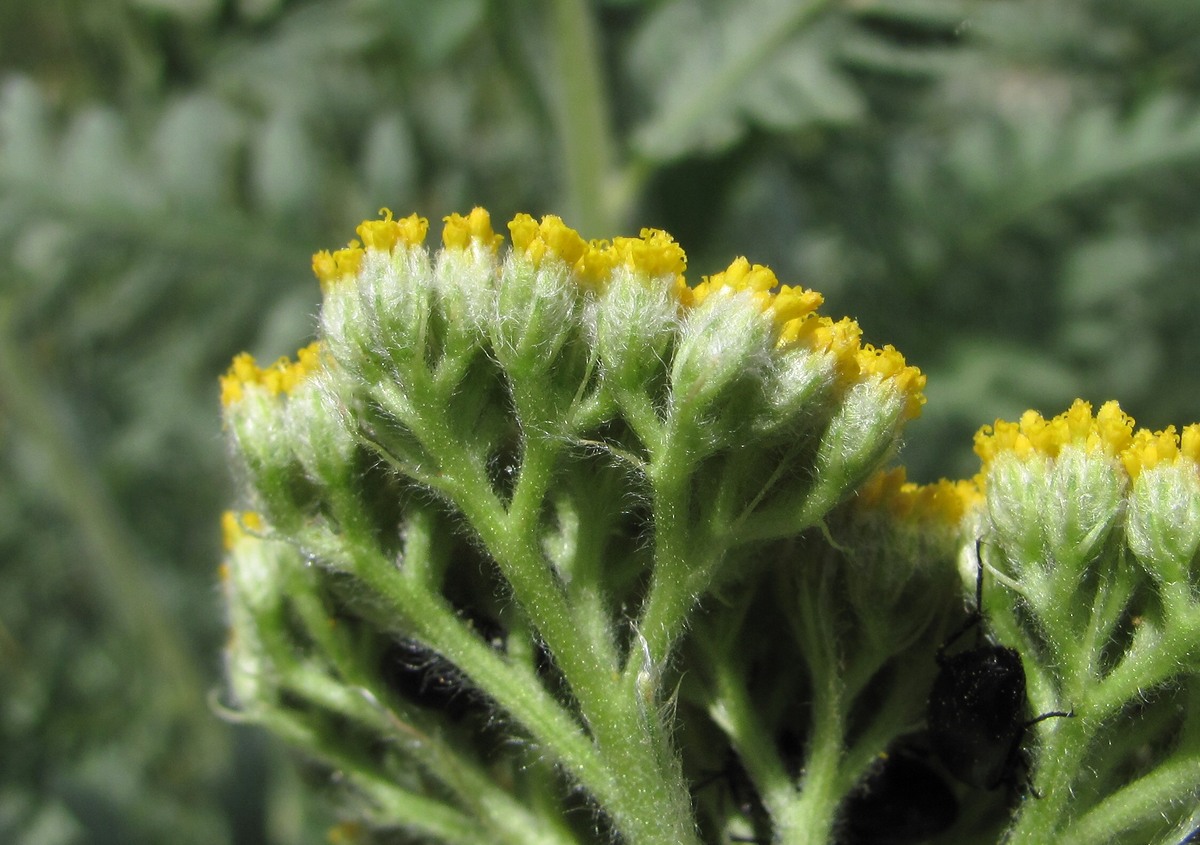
x,y
944,501
1149,449
379,235
281,377
654,253
887,363
550,237
785,306
822,334
1109,432
383,235
459,231
333,267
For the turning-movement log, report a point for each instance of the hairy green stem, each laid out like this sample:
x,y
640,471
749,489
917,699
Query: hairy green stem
x,y
581,103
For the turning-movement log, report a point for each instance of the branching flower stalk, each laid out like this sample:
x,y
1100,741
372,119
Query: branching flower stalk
x,y
1094,530
541,543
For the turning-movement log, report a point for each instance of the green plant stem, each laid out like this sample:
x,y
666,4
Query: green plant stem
x,y
517,692
1152,659
733,711
1138,803
668,599
508,820
622,769
418,813
809,819
581,103
624,730
633,781
1060,755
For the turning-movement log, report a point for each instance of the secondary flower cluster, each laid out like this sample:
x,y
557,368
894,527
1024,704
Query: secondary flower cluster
x,y
1061,484
1092,528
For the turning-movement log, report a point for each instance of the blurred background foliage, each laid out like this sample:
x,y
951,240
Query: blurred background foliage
x,y
1006,190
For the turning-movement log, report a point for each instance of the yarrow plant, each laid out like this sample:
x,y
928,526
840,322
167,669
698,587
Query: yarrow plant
x,y
544,544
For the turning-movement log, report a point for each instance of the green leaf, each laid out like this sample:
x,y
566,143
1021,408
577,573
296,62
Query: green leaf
x,y
714,69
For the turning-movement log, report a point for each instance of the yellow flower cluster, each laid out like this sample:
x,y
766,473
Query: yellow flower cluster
x,y
1152,448
789,305
460,231
653,254
382,235
944,501
797,323
1110,431
280,377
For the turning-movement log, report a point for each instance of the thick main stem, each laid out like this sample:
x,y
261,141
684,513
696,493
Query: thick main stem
x,y
651,804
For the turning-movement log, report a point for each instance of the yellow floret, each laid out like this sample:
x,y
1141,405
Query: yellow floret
x,y
653,254
383,235
281,377
1113,428
235,526
562,241
331,268
524,230
596,264
1189,442
459,231
792,303
242,371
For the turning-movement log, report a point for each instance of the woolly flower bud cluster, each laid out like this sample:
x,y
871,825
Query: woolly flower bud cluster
x,y
584,330
1091,527
592,267
1060,485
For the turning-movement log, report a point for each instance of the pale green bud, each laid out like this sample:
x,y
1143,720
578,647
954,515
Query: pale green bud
x,y
632,324
723,352
537,311
1162,523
